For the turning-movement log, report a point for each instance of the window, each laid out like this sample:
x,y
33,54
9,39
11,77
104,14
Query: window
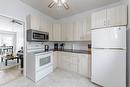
x,y
7,39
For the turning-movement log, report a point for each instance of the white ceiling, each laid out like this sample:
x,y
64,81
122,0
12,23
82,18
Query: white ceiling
x,y
76,6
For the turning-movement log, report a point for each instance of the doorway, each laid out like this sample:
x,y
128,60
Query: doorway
x,y
11,49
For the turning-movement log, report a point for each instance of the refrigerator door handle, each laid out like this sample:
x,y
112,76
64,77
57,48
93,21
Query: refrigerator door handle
x,y
110,48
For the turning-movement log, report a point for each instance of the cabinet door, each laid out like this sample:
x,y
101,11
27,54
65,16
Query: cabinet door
x,y
55,60
77,30
89,66
33,22
99,19
82,29
71,62
47,28
64,32
64,60
83,68
56,32
117,15
60,60
50,32
67,61
85,34
67,32
70,32
74,62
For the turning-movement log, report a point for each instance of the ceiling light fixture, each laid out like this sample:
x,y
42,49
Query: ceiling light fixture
x,y
59,3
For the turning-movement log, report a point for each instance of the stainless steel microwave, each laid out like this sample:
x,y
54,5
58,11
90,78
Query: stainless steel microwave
x,y
37,36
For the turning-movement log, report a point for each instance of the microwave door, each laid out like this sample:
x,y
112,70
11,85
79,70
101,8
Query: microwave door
x,y
46,37
38,36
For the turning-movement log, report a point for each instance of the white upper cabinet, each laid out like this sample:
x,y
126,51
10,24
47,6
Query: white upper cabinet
x,y
50,32
36,22
77,30
99,19
47,28
86,33
33,22
82,29
67,32
117,16
56,32
114,16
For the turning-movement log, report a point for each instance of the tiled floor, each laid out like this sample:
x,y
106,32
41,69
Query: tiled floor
x,y
58,78
9,75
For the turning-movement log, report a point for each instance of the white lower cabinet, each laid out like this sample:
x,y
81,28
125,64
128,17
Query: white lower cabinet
x,y
55,60
70,62
60,60
84,67
75,62
40,74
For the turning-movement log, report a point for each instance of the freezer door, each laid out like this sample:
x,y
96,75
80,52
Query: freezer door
x,y
114,37
109,67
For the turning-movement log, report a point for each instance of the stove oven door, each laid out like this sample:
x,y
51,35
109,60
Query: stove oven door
x,y
43,61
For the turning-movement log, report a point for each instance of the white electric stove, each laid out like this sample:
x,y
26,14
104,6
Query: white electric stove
x,y
39,63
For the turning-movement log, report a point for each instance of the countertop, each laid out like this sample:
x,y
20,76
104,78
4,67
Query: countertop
x,y
73,51
38,52
65,50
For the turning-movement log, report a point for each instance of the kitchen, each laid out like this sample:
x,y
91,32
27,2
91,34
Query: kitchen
x,y
68,46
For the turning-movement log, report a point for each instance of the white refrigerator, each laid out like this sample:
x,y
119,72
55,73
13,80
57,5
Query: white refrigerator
x,y
109,56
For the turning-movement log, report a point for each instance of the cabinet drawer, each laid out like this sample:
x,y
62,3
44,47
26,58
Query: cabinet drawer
x,y
42,73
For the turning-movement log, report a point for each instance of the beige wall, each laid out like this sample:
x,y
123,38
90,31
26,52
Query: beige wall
x,y
18,10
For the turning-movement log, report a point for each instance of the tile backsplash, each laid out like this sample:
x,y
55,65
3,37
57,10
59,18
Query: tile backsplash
x,y
81,45
76,45
33,45
68,45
